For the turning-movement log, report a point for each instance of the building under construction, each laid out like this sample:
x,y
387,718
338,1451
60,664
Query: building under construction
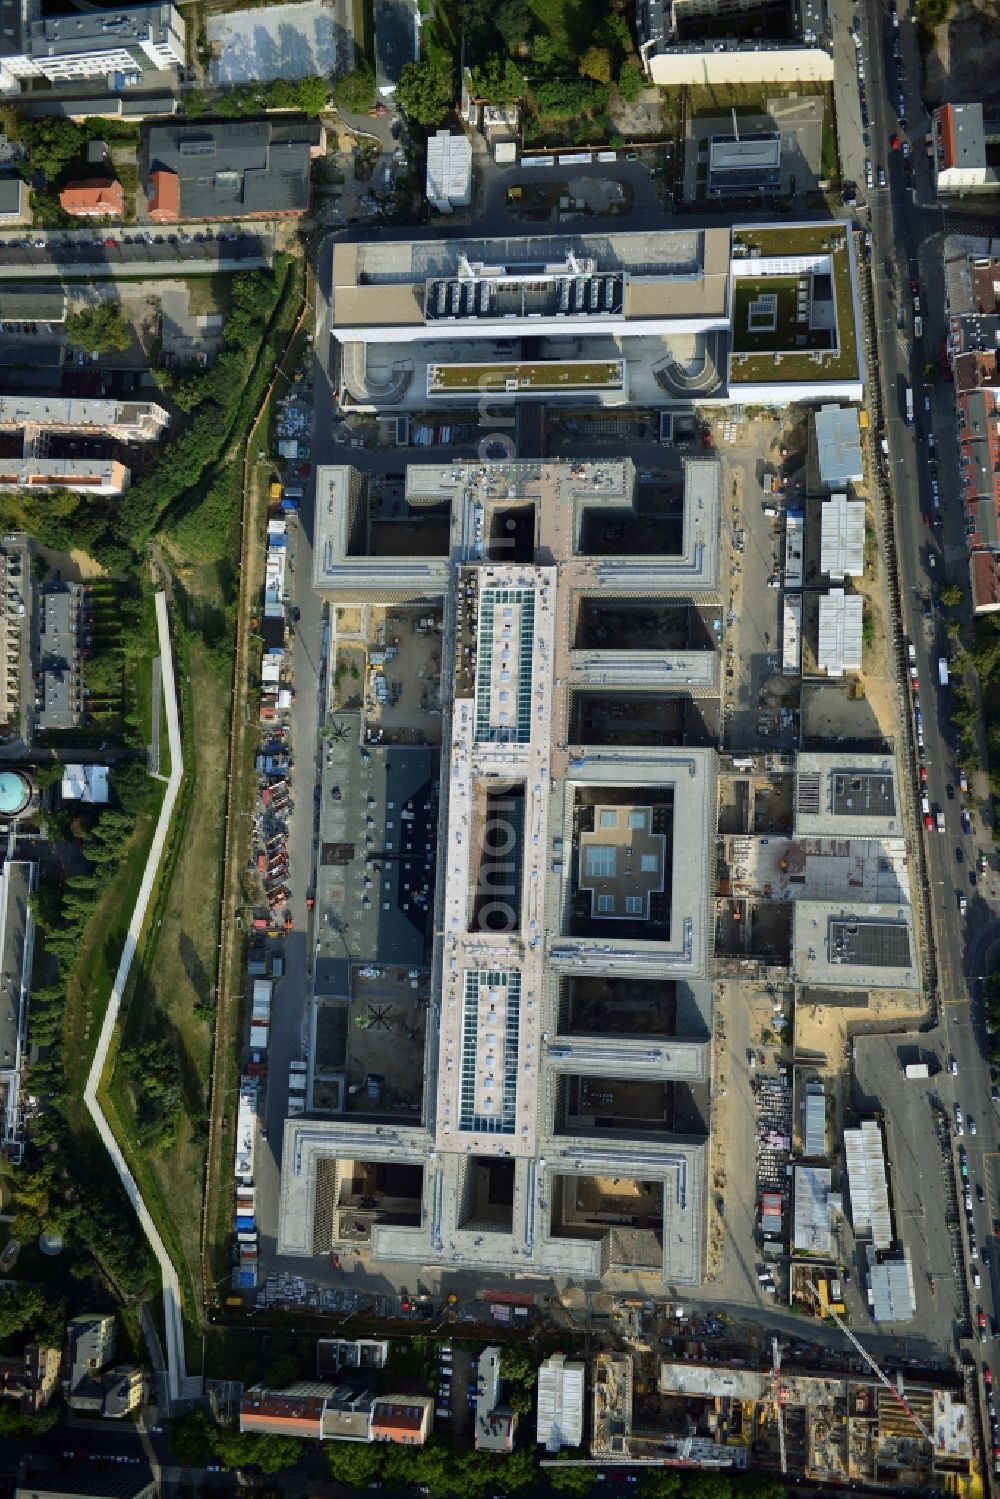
x,y
837,1428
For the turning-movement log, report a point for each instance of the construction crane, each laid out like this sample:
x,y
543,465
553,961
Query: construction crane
x,y
780,1400
896,1393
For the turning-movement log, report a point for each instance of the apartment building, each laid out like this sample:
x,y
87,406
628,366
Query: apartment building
x,y
31,1378
18,880
93,200
87,44
324,1412
972,296
965,147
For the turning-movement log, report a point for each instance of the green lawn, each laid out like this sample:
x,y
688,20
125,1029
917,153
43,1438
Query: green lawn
x,y
797,366
787,331
543,376
174,985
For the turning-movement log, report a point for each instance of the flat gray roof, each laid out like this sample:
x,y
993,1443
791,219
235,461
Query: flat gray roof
x,y
846,795
33,304
377,848
237,166
831,941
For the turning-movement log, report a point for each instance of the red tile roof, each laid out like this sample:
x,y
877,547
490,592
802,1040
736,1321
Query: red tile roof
x,y
164,197
985,581
85,198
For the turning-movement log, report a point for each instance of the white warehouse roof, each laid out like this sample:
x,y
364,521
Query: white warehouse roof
x,y
560,1403
815,1131
449,169
813,1229
841,618
867,1181
842,538
890,1291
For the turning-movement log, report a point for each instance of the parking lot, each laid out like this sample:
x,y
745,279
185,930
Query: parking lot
x,y
921,1179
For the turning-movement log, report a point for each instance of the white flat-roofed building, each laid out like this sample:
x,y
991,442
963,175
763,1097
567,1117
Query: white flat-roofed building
x,y
82,475
18,879
85,783
960,160
449,171
739,165
795,542
791,634
841,626
891,1294
861,945
842,538
864,1157
847,795
569,285
128,421
561,1387
812,1231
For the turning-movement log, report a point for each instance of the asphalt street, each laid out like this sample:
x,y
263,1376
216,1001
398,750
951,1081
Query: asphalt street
x,y
160,250
907,243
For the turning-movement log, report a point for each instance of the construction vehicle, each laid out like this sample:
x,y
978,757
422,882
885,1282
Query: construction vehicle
x,y
883,1378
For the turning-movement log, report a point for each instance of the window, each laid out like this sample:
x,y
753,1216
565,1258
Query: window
x,y
649,863
609,819
605,903
600,862
637,819
634,905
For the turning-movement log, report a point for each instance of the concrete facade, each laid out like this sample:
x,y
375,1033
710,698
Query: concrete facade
x,y
499,1070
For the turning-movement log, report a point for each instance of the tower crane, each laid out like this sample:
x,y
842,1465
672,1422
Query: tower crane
x,y
780,1400
883,1378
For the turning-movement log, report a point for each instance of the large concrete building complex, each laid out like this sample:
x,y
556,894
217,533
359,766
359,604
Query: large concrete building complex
x,y
568,858
623,318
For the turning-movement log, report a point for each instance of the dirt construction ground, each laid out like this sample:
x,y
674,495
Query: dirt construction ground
x,y
963,62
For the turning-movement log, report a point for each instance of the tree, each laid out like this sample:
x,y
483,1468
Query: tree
x,y
517,1367
499,81
659,1483
355,91
520,1401
630,82
596,63
102,327
271,1454
564,99
19,1307
192,1438
52,144
571,1480
514,21
132,786
305,94
354,1463
951,595
425,90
